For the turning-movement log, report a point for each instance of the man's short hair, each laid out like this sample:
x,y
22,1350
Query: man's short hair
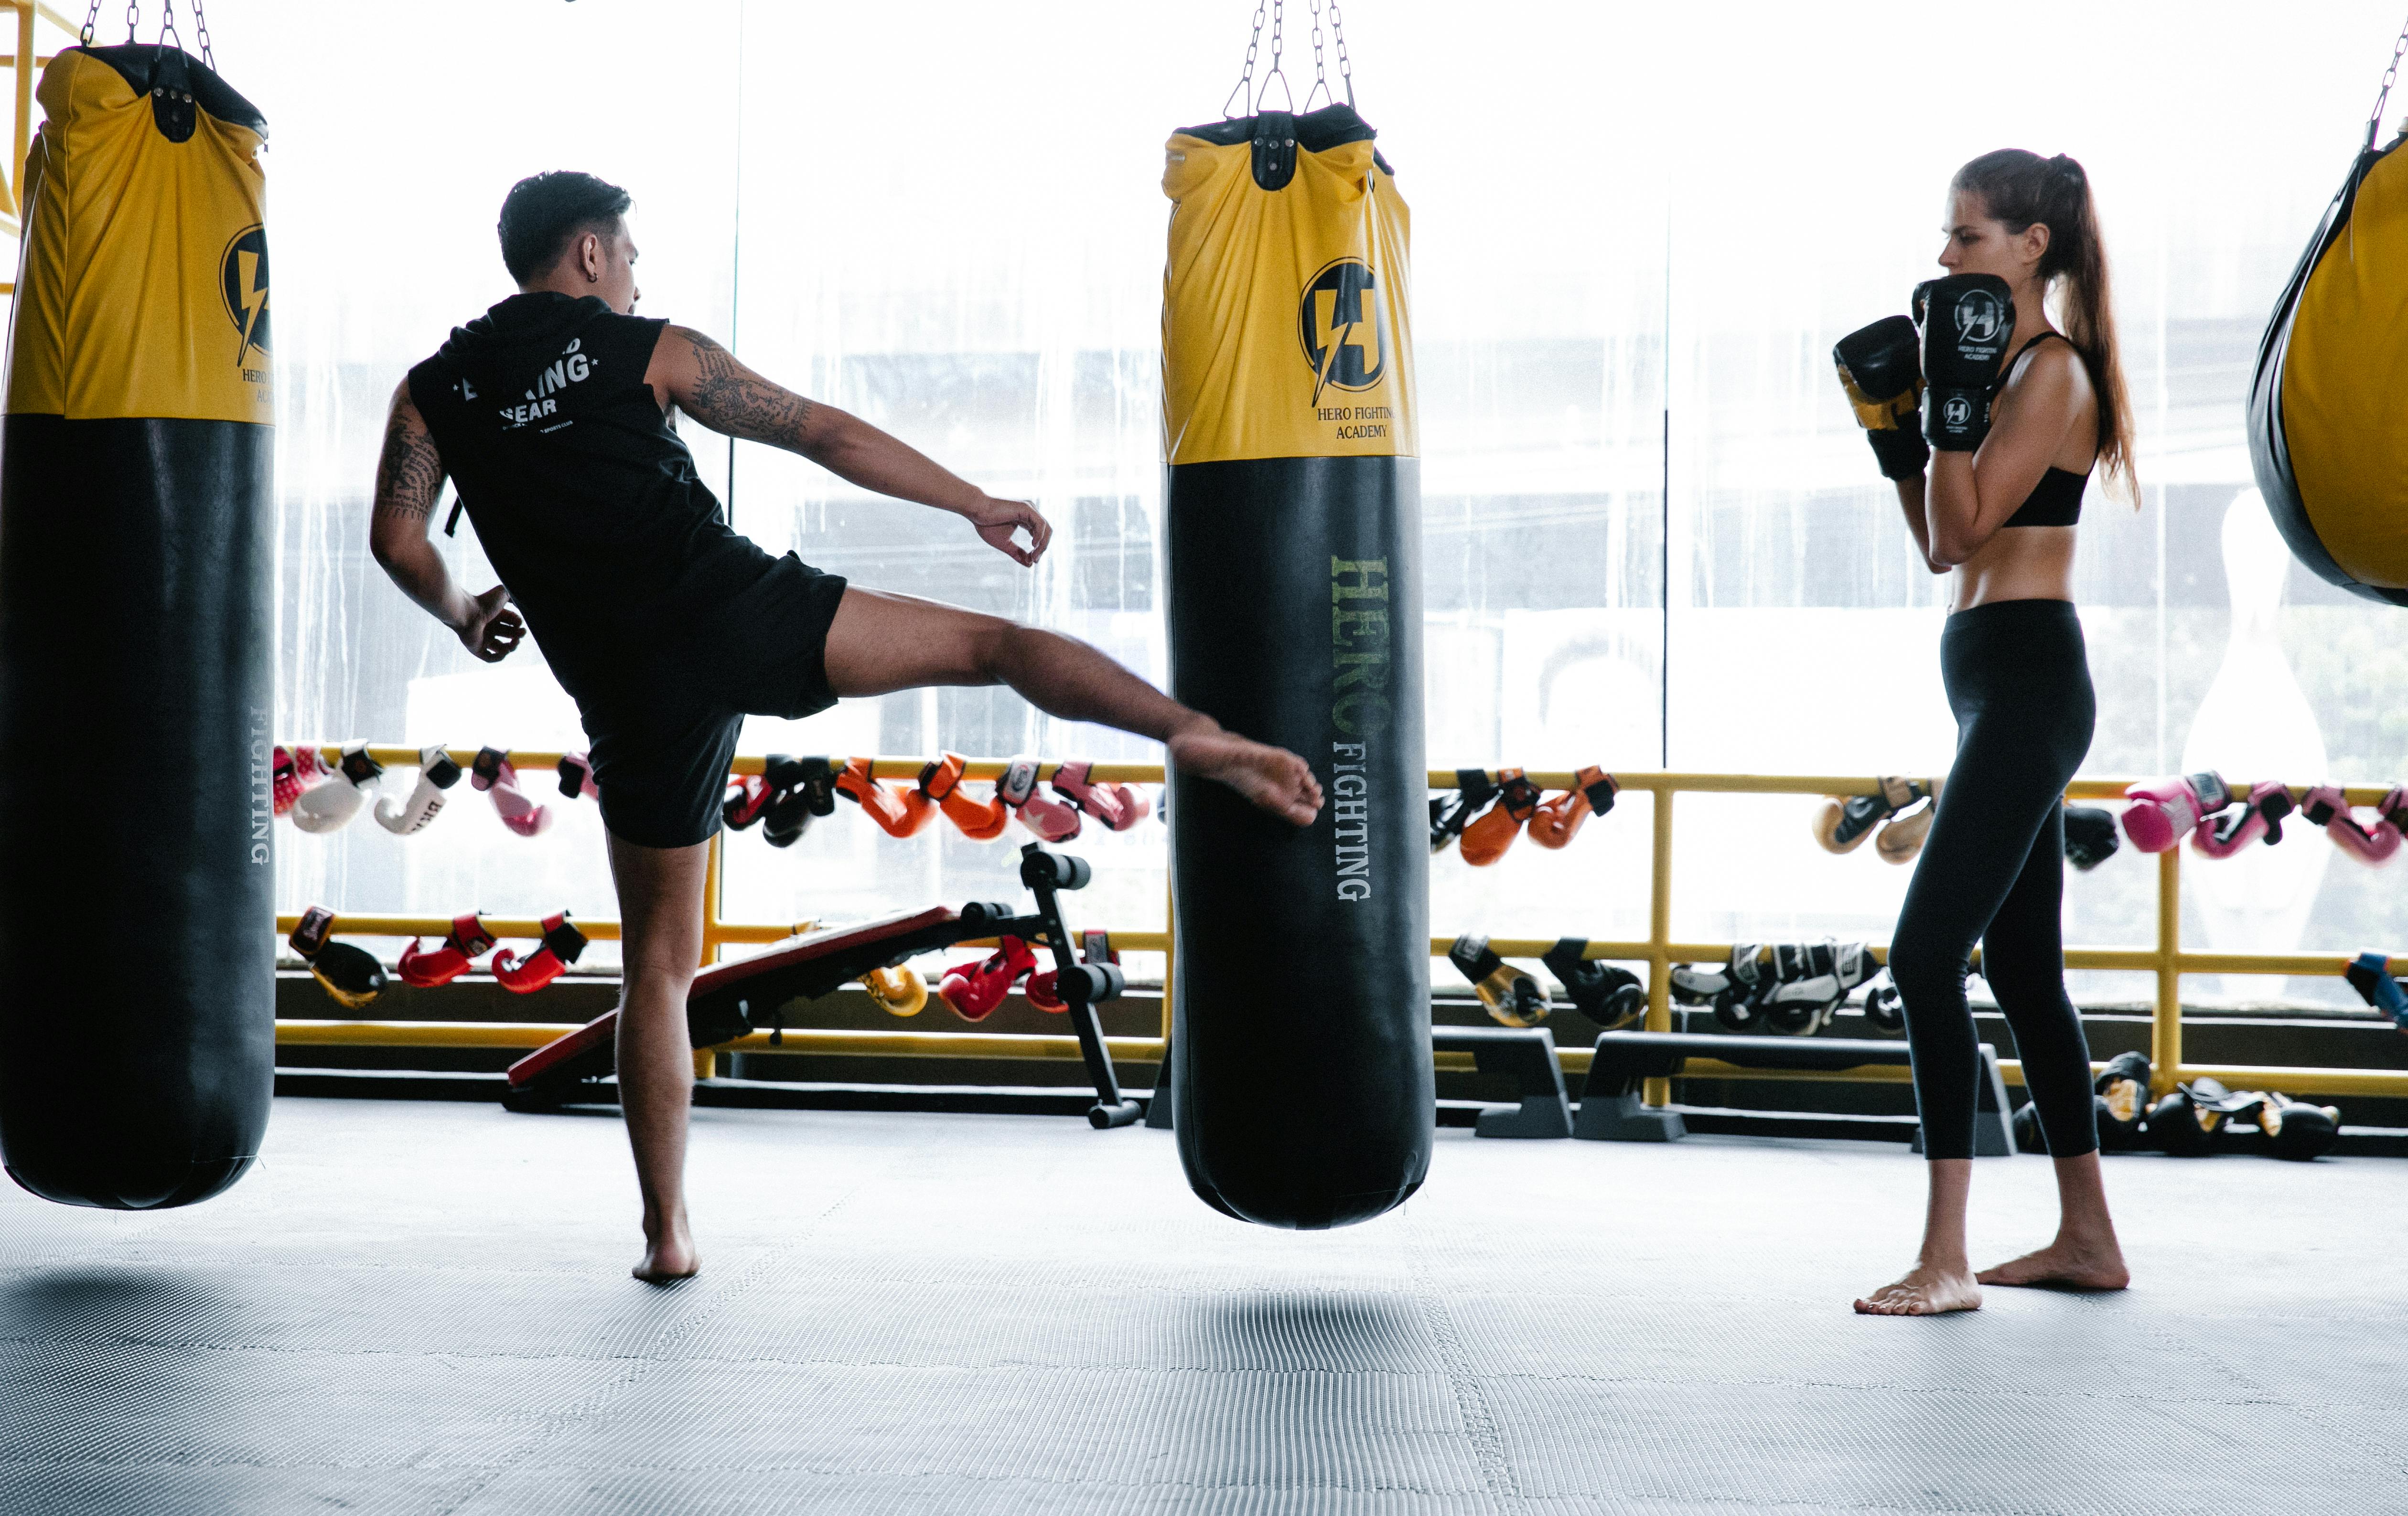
x,y
544,211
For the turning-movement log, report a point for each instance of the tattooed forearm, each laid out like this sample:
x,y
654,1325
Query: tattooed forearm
x,y
409,473
728,398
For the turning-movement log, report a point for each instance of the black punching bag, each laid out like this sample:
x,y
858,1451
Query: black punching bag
x,y
137,969
1302,1083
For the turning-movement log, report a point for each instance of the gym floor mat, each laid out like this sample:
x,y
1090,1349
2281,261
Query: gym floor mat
x,y
421,1307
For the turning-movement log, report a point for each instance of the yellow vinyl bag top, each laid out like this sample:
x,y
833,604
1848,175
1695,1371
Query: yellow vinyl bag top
x,y
2344,391
142,278
1284,332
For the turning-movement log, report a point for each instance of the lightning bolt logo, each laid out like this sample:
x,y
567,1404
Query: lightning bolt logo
x,y
254,300
1339,325
242,279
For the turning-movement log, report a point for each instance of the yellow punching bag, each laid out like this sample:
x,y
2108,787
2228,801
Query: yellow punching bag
x,y
2327,427
137,970
1302,1079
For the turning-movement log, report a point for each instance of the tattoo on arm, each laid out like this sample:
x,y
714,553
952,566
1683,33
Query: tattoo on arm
x,y
728,397
409,474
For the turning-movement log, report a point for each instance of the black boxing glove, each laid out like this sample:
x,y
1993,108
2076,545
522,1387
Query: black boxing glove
x,y
1966,329
1882,373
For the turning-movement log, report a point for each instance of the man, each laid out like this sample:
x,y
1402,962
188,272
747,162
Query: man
x,y
552,414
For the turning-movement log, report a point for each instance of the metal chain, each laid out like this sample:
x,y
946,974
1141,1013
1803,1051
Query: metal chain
x,y
90,19
133,18
1279,17
1320,75
201,25
1345,67
1244,91
2399,49
167,25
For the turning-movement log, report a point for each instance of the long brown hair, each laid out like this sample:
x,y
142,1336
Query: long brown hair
x,y
2024,188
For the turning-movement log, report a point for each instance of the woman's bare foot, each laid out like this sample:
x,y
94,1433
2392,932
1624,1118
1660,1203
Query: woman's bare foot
x,y
2065,1265
1925,1290
1273,778
668,1252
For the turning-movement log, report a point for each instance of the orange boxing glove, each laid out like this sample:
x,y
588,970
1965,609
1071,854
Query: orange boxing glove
x,y
1486,838
980,821
897,810
1558,821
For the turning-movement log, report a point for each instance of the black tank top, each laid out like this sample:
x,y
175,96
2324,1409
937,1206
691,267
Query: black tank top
x,y
584,498
2056,499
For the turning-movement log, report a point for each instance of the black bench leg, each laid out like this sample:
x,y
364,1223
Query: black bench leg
x,y
1620,1118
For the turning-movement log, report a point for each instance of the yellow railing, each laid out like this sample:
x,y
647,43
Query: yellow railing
x,y
22,65
2165,959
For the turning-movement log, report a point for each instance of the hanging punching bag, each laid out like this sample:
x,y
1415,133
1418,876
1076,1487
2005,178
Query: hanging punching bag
x,y
2325,434
137,972
1302,1079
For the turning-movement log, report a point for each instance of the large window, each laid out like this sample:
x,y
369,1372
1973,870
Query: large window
x,y
1654,533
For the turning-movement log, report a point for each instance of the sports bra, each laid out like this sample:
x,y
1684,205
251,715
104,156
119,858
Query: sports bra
x,y
2056,499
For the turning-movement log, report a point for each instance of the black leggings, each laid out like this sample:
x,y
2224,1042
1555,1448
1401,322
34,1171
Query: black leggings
x,y
1993,870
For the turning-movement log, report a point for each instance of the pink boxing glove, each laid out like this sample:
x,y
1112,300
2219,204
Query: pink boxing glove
x,y
492,773
1050,819
2374,846
1117,805
2259,816
2164,811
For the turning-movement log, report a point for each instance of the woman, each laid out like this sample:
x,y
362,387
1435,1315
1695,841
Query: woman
x,y
1998,513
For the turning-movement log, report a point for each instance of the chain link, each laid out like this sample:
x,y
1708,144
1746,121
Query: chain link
x,y
167,25
90,19
201,27
1279,45
1244,92
133,18
1320,74
2390,75
1338,35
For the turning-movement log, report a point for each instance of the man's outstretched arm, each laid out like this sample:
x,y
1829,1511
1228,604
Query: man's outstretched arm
x,y
410,477
705,381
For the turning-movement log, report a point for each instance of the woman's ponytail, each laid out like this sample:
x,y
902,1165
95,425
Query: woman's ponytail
x,y
2023,189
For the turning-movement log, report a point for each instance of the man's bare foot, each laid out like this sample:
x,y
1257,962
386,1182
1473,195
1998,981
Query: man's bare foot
x,y
2064,1264
668,1253
1273,778
1924,1291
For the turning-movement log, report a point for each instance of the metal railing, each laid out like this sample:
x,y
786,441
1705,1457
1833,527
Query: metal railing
x,y
24,64
2165,959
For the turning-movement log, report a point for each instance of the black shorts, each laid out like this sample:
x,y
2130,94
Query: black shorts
x,y
664,730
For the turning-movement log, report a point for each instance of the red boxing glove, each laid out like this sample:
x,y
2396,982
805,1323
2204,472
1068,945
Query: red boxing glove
x,y
1485,839
492,773
2164,811
1050,819
2261,816
1558,821
576,771
289,784
1043,989
563,944
747,800
898,811
1115,805
975,990
980,821
451,958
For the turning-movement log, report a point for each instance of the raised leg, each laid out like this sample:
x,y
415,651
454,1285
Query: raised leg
x,y
660,912
879,643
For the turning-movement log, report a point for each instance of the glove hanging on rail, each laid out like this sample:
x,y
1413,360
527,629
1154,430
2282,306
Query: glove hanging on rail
x,y
562,945
1609,996
331,806
1115,803
1485,839
802,790
350,974
296,770
450,958
2328,806
1451,811
2164,811
1558,821
1843,823
973,990
1809,982
980,821
2369,975
1052,820
899,811
576,771
898,991
492,773
2259,815
437,774
2090,838
1511,996
1901,836
746,801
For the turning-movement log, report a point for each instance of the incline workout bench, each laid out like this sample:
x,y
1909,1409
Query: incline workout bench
x,y
730,1000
